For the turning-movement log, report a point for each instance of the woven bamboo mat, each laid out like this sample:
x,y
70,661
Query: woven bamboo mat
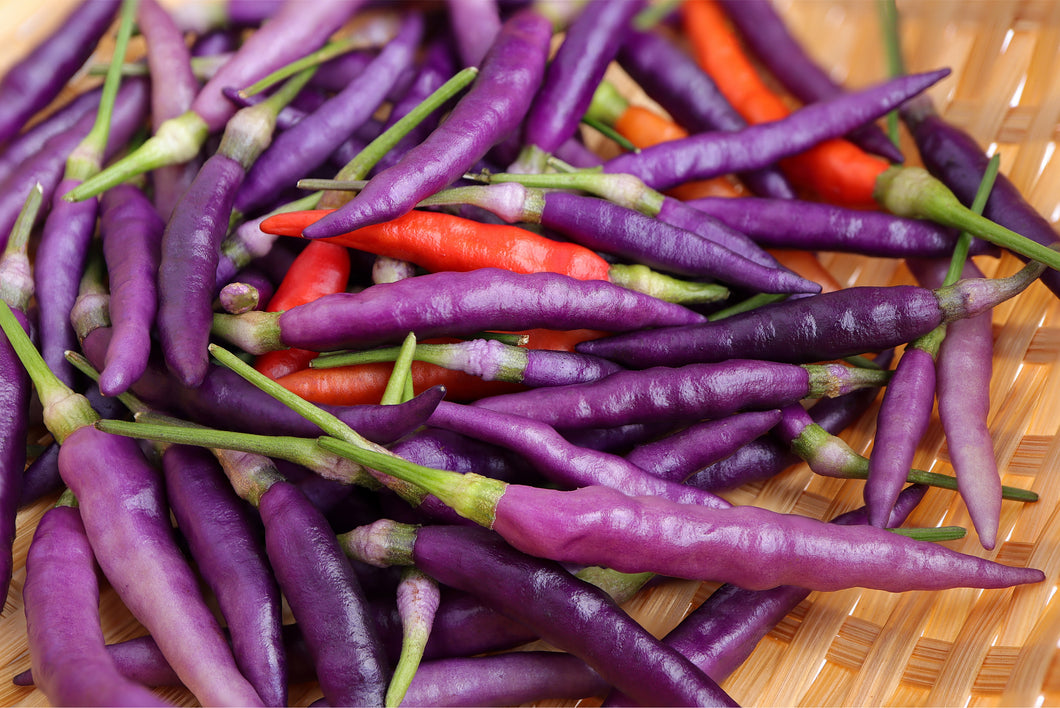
x,y
855,648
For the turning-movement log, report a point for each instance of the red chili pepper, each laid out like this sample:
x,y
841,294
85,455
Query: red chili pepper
x,y
837,170
362,384
440,242
320,269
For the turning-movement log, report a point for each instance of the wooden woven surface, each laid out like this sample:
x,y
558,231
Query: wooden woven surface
x,y
854,648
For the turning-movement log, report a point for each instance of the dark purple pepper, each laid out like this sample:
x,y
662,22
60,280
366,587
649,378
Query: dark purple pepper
x,y
815,328
41,477
672,78
61,599
491,110
225,540
676,456
323,592
36,79
827,227
591,626
32,141
705,155
590,43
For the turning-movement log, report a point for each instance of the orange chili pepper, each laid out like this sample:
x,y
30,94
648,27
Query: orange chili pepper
x,y
439,242
320,269
836,170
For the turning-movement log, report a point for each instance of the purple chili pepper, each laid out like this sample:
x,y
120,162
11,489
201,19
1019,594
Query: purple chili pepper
x,y
16,291
688,393
560,461
131,231
711,154
297,151
36,79
604,226
827,227
589,45
904,416
769,455
815,328
765,33
963,368
61,599
676,456
451,304
493,108
721,633
225,541
568,613
671,77
324,594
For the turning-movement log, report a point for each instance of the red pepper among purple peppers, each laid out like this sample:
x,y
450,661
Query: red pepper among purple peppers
x,y
684,398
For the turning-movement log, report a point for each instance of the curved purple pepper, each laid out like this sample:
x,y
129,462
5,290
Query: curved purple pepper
x,y
128,525
560,461
61,599
673,79
591,625
297,151
475,25
711,154
224,539
963,368
688,393
721,633
904,416
325,596
826,227
36,79
815,328
768,37
493,107
603,226
454,304
131,232
590,43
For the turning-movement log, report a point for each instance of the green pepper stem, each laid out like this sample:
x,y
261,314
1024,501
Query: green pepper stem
x,y
16,273
964,241
313,60
912,192
417,618
87,158
402,371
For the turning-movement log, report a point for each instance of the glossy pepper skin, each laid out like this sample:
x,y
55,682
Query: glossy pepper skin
x,y
591,625
491,110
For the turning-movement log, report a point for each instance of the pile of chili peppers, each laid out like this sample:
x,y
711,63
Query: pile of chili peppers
x,y
422,367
